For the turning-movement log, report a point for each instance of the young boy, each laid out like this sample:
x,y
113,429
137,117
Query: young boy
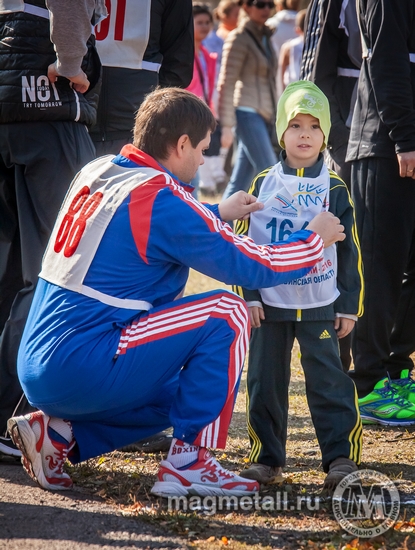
x,y
316,309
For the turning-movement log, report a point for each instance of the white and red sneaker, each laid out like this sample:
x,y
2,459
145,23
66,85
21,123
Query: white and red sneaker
x,y
43,450
205,477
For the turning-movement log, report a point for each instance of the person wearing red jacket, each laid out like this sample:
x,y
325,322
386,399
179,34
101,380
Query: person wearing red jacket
x,y
203,85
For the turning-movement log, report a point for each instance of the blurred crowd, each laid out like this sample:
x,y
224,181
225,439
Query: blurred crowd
x,y
257,48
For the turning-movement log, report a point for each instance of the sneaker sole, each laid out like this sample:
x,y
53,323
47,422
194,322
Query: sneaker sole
x,y
23,437
168,489
386,422
269,481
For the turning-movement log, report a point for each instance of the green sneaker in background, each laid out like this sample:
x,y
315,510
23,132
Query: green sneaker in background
x,y
405,386
384,405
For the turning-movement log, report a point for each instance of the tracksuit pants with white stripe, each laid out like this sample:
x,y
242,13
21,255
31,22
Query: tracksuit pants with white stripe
x,y
178,365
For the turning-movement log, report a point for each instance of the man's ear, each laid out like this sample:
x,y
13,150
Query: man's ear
x,y
182,143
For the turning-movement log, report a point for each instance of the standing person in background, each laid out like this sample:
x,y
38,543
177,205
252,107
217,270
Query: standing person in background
x,y
282,25
227,14
203,85
382,151
48,98
247,95
289,62
140,49
332,57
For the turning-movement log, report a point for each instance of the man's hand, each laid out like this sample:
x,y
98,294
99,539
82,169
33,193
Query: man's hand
x,y
257,315
406,163
226,138
80,81
328,227
238,206
343,326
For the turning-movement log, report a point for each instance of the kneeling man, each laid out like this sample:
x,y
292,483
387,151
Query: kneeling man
x,y
112,352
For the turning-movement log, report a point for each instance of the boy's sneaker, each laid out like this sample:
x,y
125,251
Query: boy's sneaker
x,y
405,386
263,474
338,470
44,451
204,477
385,406
9,449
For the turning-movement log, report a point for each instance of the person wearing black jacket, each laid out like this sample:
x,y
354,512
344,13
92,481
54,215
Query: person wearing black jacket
x,y
382,151
332,57
140,49
44,141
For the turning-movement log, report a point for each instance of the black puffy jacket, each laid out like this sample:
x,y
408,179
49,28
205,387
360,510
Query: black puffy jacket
x,y
26,94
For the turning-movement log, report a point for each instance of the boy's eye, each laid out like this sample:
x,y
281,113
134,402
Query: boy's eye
x,y
316,126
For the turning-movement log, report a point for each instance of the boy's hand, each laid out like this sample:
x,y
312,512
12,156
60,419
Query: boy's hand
x,y
328,227
257,315
238,206
343,326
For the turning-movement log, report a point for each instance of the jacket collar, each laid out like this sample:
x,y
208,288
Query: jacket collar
x,y
256,31
134,155
310,172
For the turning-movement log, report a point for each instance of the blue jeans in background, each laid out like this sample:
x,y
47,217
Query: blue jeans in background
x,y
255,151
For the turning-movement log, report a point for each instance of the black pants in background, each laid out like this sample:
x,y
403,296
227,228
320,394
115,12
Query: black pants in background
x,y
385,216
38,161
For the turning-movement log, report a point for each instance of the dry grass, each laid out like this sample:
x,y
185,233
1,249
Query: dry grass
x,y
125,479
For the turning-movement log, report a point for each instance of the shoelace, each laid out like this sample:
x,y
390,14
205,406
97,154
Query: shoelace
x,y
391,393
404,382
57,460
222,472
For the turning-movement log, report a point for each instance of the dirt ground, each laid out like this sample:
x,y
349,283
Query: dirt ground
x,y
111,506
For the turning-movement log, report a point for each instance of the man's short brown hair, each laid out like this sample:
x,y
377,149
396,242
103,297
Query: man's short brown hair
x,y
165,115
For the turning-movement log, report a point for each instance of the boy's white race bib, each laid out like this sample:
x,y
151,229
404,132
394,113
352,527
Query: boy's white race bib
x,y
290,203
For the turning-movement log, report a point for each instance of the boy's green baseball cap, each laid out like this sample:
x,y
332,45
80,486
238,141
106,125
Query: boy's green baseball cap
x,y
302,97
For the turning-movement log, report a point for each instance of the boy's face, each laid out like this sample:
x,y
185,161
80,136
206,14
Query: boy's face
x,y
303,140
